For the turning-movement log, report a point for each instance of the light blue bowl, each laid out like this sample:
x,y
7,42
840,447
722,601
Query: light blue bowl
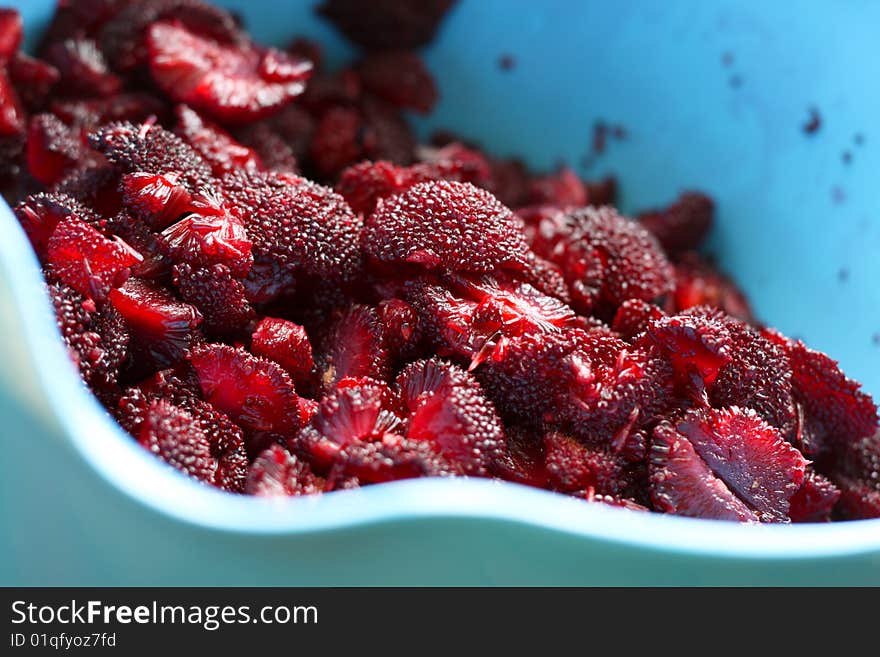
x,y
80,503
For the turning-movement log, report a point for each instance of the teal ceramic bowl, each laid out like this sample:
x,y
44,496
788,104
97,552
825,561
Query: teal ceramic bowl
x,y
714,96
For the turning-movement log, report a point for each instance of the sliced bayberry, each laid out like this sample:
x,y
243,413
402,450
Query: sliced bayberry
x,y
698,283
52,148
234,84
354,346
682,483
287,344
214,144
634,316
448,409
164,327
155,198
33,79
604,257
39,214
254,392
814,500
90,263
82,68
295,224
149,148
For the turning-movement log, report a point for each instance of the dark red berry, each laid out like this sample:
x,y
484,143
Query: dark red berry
x,y
52,148
214,144
401,78
287,344
387,24
683,225
278,473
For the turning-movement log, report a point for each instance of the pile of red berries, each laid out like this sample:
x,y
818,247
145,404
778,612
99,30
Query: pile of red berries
x,y
272,288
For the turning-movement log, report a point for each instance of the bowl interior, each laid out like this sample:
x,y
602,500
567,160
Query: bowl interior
x,y
711,97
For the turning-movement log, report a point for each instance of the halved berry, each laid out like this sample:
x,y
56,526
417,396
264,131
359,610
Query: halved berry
x,y
52,148
473,319
698,283
155,198
39,214
90,263
682,483
278,473
134,232
254,392
814,500
94,186
89,114
213,143
388,136
82,68
366,183
354,346
448,409
217,294
174,435
749,455
123,35
10,32
683,225
233,84
634,316
149,148
163,327
604,257
296,224
426,227
361,410
387,24
209,236
401,78
287,344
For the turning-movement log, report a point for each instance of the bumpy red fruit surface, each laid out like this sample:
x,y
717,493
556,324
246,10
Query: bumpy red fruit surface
x,y
604,257
217,294
234,84
634,316
278,473
151,149
448,409
423,227
296,224
814,500
175,436
39,214
698,283
858,476
254,392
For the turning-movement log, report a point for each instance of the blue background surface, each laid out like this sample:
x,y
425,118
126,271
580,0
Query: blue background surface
x,y
806,254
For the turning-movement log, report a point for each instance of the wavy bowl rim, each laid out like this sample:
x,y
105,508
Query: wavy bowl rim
x,y
109,452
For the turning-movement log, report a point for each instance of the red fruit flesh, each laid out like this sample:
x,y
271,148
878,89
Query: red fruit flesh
x,y
749,455
814,500
210,237
82,68
214,144
12,118
52,148
156,199
448,409
254,392
164,326
287,344
354,347
86,260
234,84
682,483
